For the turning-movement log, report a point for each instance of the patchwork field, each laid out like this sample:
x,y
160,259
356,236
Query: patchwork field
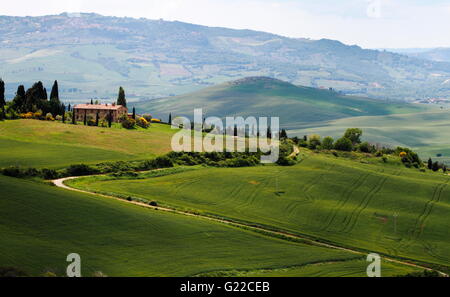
x,y
377,207
40,225
32,143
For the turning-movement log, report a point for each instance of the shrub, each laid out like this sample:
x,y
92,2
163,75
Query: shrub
x,y
143,123
147,117
129,199
385,159
129,123
364,147
103,123
49,174
156,121
153,203
13,171
163,162
81,170
314,141
12,272
343,144
58,118
49,117
285,161
327,143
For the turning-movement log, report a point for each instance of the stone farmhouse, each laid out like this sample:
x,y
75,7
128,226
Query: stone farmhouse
x,y
103,110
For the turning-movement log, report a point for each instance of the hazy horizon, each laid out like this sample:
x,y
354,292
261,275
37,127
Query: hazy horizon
x,y
376,24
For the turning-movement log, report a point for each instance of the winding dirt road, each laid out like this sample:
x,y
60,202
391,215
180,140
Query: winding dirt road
x,y
60,183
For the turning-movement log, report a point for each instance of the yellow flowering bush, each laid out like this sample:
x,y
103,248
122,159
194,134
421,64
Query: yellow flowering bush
x,y
143,123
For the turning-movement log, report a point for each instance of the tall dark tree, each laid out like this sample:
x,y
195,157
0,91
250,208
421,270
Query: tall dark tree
x,y
63,112
19,99
170,119
85,118
269,132
134,113
430,164
54,95
92,102
97,118
283,134
110,119
2,98
68,108
74,121
121,98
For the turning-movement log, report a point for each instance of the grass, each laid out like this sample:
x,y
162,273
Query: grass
x,y
40,225
344,201
427,133
33,143
294,105
350,268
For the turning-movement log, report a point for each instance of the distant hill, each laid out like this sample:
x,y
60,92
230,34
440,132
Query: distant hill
x,y
432,54
92,55
263,96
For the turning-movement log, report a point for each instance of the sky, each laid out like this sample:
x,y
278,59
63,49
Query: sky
x,y
367,23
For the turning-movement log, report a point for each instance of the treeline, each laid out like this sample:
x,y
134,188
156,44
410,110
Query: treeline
x,y
34,100
351,142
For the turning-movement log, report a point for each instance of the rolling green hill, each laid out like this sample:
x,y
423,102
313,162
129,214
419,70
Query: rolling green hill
x,y
33,143
262,96
348,202
40,225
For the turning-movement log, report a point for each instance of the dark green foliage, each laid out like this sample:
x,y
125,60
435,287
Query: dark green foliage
x,y
430,163
12,272
170,119
354,134
2,98
128,123
153,203
365,147
54,95
436,167
85,118
49,174
328,143
134,113
74,122
81,170
283,134
343,144
411,159
19,99
121,97
425,273
97,118
18,172
110,119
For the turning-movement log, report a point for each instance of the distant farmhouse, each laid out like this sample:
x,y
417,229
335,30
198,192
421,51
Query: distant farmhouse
x,y
103,110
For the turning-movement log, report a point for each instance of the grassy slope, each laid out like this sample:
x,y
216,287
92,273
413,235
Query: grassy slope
x,y
269,97
335,199
34,143
40,225
427,133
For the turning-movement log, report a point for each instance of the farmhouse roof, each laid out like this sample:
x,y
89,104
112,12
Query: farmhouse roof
x,y
98,106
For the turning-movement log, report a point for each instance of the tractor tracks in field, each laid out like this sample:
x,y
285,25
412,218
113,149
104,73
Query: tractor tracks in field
x,y
258,229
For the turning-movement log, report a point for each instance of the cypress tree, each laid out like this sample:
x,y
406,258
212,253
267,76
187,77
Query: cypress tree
x,y
121,98
63,110
68,108
97,118
134,113
92,102
283,134
109,119
73,117
19,99
2,98
269,132
430,164
170,119
85,117
54,95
